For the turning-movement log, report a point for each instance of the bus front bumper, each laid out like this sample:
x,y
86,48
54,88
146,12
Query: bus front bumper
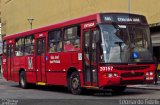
x,y
119,81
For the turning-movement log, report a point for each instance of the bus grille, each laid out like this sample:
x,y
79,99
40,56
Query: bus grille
x,y
130,74
130,67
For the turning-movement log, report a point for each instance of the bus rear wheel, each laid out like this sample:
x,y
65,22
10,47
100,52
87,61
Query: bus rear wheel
x,y
22,80
75,84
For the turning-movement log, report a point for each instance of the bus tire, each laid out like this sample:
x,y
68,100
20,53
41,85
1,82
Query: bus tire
x,y
118,89
22,80
75,84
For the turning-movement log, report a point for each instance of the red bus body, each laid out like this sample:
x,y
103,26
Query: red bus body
x,y
55,68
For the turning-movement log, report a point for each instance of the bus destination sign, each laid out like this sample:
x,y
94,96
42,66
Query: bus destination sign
x,y
128,19
123,18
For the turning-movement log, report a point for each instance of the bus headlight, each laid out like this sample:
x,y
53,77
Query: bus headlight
x,y
115,75
147,73
110,75
151,73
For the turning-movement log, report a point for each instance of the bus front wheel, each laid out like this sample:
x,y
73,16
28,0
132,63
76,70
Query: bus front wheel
x,y
75,84
22,80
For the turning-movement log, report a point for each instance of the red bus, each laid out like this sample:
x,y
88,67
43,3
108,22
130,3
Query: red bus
x,y
99,51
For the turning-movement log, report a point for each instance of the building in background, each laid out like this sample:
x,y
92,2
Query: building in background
x,y
15,13
0,49
0,40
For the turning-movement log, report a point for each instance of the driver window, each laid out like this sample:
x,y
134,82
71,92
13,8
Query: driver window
x,y
86,50
94,34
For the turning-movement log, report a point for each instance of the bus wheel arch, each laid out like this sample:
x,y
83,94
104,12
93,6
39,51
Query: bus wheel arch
x,y
22,79
73,81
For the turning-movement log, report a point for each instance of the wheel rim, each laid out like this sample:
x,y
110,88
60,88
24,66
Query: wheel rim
x,y
75,83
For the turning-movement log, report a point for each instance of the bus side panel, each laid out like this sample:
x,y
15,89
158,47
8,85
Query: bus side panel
x,y
30,69
19,63
55,69
4,67
72,60
5,75
31,76
56,78
81,78
59,64
16,76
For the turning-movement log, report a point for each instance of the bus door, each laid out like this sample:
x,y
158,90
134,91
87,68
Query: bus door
x,y
40,59
9,61
90,57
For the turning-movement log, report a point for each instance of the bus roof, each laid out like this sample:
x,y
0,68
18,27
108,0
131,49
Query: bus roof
x,y
95,16
52,26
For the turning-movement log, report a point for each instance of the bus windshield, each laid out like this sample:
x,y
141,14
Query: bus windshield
x,y
125,44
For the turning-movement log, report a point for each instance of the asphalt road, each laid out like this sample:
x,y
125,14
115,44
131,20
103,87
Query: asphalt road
x,y
11,93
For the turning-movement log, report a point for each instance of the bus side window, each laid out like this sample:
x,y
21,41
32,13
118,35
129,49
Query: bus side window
x,y
19,49
4,47
86,48
72,39
55,41
29,45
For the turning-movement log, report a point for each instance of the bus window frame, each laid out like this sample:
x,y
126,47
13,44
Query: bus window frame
x,y
5,41
60,41
23,45
78,37
31,44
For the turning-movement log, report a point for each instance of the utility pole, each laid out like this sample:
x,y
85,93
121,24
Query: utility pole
x,y
30,20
